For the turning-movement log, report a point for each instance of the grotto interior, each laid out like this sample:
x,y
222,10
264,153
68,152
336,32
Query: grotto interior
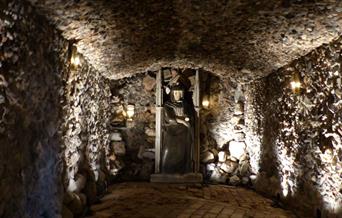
x,y
177,108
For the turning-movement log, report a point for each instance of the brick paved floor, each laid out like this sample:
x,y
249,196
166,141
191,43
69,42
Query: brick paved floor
x,y
150,200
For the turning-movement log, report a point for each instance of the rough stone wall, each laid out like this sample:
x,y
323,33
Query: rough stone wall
x,y
238,36
255,100
33,60
223,150
85,137
297,137
133,141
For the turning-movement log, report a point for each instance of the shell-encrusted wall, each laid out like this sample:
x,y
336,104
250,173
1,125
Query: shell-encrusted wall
x,y
85,137
298,134
33,62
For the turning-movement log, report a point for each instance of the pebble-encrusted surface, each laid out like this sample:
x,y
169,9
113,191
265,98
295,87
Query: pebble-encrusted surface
x,y
298,137
85,137
51,118
253,37
133,145
33,61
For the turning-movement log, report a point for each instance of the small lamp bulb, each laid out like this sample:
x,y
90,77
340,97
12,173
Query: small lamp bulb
x,y
130,111
76,61
295,85
205,103
75,58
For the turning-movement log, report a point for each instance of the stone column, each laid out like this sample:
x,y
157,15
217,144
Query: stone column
x,y
159,118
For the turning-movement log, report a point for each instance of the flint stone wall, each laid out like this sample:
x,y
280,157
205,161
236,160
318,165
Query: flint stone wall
x,y
33,60
296,138
132,142
239,37
85,137
54,120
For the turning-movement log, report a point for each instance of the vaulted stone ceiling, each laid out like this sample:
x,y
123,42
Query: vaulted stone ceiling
x,y
240,37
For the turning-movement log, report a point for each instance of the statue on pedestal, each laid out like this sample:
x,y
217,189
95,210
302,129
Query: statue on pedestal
x,y
178,129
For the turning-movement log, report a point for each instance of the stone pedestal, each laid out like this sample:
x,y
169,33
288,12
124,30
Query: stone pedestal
x,y
177,178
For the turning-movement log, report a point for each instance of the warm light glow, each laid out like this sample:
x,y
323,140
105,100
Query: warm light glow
x,y
237,149
295,85
130,111
288,182
124,113
75,58
205,102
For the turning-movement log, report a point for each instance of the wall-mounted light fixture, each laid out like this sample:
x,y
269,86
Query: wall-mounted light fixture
x,y
130,112
295,83
205,102
75,60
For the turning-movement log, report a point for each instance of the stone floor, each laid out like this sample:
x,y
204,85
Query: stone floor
x,y
149,200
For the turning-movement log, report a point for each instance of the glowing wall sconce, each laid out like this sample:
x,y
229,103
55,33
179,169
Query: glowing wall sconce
x,y
75,58
295,83
130,112
205,102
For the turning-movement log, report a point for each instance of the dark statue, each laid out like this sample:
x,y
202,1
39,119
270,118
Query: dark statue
x,y
178,131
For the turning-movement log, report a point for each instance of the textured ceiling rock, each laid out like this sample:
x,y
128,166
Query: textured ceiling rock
x,y
123,37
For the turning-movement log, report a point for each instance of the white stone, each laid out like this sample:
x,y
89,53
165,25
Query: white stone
x,y
224,167
76,185
222,156
239,107
112,157
244,157
235,119
150,132
115,136
73,159
238,96
237,149
253,177
216,176
229,166
211,166
149,83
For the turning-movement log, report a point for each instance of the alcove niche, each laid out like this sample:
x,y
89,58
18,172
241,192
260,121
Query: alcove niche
x,y
223,156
